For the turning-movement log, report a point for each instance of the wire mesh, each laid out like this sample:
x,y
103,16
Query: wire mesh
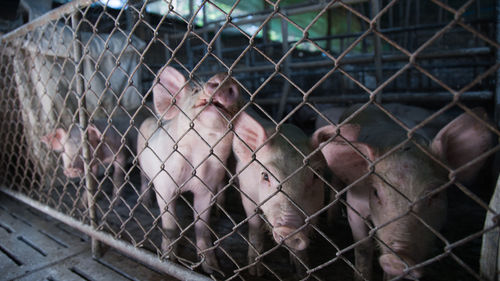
x,y
220,134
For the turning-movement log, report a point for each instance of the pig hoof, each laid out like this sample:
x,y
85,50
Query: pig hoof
x,y
210,265
211,268
169,250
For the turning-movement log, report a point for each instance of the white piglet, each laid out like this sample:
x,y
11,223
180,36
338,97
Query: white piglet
x,y
105,149
404,189
276,181
188,152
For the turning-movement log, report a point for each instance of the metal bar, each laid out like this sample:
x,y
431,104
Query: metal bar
x,y
377,47
388,97
364,59
50,16
497,93
340,36
286,69
407,23
167,42
218,50
142,255
82,114
389,30
249,18
329,20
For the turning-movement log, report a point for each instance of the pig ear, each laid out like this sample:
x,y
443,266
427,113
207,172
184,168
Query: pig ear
x,y
343,160
94,135
250,135
462,140
55,139
170,83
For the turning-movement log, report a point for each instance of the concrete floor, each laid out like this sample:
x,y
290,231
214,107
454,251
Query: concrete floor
x,y
34,246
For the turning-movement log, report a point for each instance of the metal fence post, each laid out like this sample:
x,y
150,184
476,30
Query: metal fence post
x,y
497,92
286,69
83,120
377,46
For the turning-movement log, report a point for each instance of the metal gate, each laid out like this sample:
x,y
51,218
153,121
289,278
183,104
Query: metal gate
x,y
78,82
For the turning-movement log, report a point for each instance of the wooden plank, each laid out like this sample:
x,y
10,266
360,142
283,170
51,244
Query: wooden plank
x,y
490,250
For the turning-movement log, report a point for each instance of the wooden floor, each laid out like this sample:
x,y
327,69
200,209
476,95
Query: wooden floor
x,y
34,246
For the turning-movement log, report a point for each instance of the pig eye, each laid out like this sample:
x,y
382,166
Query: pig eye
x,y
375,193
265,176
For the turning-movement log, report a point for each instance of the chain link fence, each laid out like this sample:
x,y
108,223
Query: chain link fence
x,y
219,140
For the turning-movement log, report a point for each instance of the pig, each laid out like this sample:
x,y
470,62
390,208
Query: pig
x,y
104,149
146,130
398,190
408,114
276,181
187,150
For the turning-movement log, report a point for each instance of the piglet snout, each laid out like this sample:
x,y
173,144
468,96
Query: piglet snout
x,y
227,94
298,241
393,265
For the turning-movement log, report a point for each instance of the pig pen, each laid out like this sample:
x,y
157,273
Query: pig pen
x,y
423,62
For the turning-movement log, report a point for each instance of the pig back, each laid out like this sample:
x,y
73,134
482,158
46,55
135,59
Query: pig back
x,y
290,155
377,129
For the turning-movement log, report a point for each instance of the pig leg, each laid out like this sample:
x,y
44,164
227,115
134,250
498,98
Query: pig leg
x,y
255,237
118,174
168,220
221,198
363,253
145,191
84,199
202,206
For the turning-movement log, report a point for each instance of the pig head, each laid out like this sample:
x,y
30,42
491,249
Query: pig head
x,y
277,182
187,150
403,190
104,148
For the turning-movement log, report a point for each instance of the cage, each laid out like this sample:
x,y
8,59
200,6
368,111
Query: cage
x,y
216,139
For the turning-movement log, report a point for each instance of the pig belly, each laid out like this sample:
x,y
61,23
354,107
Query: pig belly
x,y
178,173
205,178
